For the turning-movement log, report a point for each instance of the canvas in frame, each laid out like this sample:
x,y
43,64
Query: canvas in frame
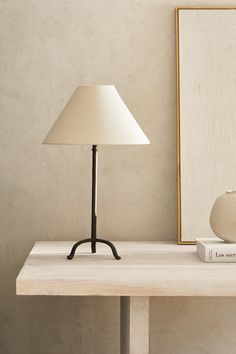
x,y
206,114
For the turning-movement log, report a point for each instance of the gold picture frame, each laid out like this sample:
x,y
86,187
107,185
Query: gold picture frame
x,y
181,241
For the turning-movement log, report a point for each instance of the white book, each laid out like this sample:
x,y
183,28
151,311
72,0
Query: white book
x,y
216,250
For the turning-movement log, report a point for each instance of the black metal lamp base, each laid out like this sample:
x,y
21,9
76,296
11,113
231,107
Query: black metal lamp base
x,y
93,247
93,239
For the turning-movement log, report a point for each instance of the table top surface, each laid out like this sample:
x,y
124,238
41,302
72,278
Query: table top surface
x,y
146,269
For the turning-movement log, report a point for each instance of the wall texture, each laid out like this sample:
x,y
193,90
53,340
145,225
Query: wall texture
x,y
47,48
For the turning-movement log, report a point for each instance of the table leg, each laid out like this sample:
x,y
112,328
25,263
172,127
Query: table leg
x,y
134,325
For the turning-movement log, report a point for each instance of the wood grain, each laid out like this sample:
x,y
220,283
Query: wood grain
x,y
146,269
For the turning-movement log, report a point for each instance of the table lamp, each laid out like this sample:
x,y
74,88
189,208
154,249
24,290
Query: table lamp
x,y
95,115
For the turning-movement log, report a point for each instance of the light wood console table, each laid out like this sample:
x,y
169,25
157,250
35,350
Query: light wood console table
x,y
146,269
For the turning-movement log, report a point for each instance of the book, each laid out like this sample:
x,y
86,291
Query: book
x,y
216,250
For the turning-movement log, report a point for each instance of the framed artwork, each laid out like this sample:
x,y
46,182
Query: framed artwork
x,y
206,114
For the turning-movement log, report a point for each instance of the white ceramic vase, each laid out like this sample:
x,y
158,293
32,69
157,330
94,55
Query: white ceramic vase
x,y
223,216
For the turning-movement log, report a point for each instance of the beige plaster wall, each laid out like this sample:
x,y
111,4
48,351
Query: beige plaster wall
x,y
47,48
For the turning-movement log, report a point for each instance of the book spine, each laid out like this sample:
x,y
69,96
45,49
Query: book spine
x,y
219,255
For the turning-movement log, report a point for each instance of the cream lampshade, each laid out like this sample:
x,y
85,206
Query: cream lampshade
x,y
95,115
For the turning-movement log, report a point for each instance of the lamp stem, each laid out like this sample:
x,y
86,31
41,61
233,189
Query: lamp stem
x,y
93,239
94,199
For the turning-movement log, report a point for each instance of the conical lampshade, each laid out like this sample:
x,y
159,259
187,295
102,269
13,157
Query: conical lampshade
x,y
96,115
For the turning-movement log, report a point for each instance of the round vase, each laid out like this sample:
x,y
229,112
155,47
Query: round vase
x,y
223,216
